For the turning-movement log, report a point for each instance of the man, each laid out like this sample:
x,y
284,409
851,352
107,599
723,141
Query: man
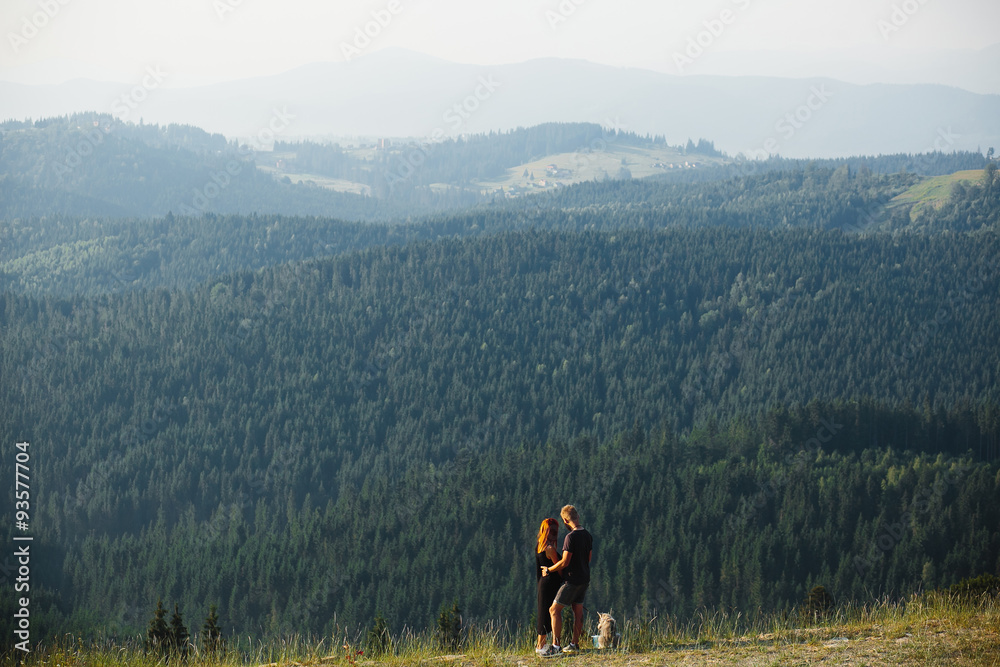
x,y
578,547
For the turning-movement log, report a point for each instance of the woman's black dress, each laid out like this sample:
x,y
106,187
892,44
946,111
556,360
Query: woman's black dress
x,y
547,589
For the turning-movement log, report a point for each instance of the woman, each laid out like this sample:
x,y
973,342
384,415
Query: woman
x,y
546,556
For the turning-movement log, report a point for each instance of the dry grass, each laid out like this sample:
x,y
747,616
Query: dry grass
x,y
929,630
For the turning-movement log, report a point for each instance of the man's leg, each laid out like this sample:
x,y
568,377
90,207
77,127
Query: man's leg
x,y
577,622
555,612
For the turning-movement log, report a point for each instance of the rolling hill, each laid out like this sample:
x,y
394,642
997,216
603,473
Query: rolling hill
x,y
934,192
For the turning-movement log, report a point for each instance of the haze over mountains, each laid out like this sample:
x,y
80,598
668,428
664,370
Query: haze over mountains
x,y
398,93
976,71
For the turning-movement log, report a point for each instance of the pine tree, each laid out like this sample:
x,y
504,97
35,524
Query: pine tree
x,y
211,634
819,604
178,634
450,627
157,634
379,640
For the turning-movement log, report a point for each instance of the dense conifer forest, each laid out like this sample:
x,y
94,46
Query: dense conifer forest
x,y
749,386
73,255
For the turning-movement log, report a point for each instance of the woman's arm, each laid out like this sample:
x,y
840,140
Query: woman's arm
x,y
553,555
561,565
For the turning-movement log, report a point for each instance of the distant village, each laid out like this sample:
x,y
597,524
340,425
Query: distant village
x,y
553,177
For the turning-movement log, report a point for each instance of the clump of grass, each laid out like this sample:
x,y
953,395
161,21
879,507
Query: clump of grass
x,y
706,628
497,637
483,643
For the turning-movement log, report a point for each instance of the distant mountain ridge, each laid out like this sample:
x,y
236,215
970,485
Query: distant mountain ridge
x,y
401,94
974,70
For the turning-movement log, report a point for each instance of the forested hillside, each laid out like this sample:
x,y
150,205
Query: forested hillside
x,y
752,380
970,206
70,255
934,163
741,413
93,165
809,196
94,256
409,164
96,165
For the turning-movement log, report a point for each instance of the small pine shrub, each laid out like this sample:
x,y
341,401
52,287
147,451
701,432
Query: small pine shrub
x,y
976,589
818,605
178,634
157,633
379,641
449,630
212,642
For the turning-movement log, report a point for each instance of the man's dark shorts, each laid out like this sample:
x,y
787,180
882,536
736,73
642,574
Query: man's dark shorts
x,y
570,594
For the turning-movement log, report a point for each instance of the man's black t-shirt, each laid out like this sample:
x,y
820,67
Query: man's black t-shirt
x,y
579,543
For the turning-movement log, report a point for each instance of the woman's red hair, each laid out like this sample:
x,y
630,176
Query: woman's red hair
x,y
547,534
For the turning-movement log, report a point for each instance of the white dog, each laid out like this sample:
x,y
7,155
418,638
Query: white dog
x,y
607,629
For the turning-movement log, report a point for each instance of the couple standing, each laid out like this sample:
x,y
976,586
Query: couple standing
x,y
562,580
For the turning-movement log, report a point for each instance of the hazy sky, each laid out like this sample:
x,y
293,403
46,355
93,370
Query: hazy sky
x,y
202,41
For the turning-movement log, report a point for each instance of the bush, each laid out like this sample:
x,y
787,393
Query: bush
x,y
976,589
379,640
449,630
818,604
